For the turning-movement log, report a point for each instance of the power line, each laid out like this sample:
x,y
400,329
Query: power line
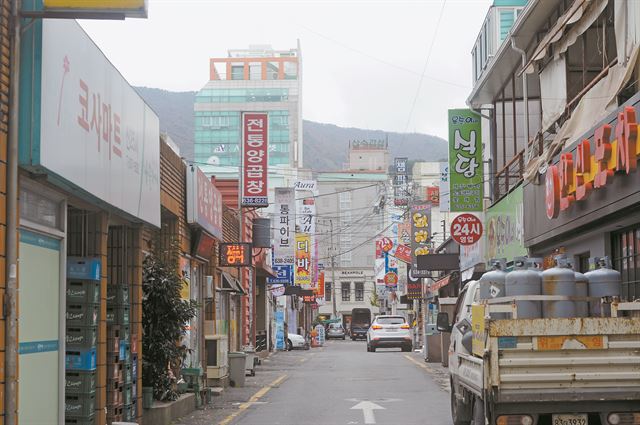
x,y
424,68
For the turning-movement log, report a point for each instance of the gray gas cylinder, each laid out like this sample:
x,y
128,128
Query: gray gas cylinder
x,y
603,282
492,283
559,280
524,281
582,290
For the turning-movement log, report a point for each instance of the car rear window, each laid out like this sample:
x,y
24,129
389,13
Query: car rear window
x,y
390,320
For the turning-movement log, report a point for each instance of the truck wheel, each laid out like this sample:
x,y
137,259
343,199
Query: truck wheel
x,y
460,411
478,411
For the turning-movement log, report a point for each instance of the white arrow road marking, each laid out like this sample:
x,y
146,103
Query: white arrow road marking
x,y
367,408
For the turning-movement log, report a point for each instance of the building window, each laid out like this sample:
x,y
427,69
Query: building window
x,y
626,259
237,72
346,291
359,291
327,291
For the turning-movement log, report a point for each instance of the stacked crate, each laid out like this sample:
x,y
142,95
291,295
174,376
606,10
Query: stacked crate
x,y
119,378
83,306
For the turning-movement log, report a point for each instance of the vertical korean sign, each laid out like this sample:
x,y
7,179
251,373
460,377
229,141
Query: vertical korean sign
x,y
400,187
284,232
465,161
303,260
255,153
444,187
420,231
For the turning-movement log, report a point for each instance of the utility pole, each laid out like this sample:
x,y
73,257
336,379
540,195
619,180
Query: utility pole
x,y
11,294
333,273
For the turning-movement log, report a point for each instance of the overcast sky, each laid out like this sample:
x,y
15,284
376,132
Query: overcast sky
x,y
362,60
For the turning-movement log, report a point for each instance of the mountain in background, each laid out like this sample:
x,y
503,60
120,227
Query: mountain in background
x,y
325,145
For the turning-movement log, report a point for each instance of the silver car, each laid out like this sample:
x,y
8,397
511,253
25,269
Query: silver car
x,y
389,331
336,331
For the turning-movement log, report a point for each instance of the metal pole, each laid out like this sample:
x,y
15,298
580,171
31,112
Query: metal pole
x,y
11,294
333,274
525,98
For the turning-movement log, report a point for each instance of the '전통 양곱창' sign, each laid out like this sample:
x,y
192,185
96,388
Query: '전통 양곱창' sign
x,y
465,161
255,159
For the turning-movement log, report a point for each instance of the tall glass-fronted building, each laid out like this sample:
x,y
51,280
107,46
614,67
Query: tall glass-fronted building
x,y
258,79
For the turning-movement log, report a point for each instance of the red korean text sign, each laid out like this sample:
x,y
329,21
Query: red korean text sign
x,y
612,151
255,159
235,254
466,229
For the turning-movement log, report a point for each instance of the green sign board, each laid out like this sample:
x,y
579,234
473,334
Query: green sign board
x,y
465,160
504,227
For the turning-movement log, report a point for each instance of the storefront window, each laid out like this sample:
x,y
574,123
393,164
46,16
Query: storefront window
x,y
626,259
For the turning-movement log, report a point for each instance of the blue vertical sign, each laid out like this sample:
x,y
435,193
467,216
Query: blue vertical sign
x,y
280,330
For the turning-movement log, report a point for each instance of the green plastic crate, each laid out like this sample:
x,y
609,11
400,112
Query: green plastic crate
x,y
118,315
117,295
79,405
81,336
82,314
83,291
80,381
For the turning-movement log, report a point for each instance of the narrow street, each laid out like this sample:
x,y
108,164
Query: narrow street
x,y
339,383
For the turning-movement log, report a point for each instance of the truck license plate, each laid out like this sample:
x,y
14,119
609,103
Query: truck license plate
x,y
570,419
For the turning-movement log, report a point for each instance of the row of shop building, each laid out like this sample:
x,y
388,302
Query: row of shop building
x,y
98,189
558,96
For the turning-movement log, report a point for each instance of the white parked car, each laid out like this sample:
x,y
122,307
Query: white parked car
x,y
296,341
389,331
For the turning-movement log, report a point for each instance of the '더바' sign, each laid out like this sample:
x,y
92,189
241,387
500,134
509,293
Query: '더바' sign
x,y
255,159
466,229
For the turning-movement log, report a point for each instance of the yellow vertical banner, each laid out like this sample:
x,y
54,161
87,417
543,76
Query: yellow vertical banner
x,y
477,326
303,260
185,272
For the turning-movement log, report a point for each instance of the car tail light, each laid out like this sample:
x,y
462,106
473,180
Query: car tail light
x,y
376,327
405,327
624,418
515,420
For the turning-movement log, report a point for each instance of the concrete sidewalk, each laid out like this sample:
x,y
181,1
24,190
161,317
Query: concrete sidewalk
x,y
233,400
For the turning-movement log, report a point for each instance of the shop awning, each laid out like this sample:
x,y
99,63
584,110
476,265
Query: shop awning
x,y
231,284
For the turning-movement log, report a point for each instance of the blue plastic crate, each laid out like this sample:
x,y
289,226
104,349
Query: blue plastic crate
x,y
81,359
124,351
83,268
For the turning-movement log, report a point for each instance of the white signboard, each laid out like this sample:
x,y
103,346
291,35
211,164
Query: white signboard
x,y
306,185
445,199
284,227
96,132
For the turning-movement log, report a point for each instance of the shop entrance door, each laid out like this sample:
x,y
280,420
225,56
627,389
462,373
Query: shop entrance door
x,y
39,334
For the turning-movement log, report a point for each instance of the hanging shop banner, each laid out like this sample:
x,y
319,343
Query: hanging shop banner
x,y
280,330
420,231
433,195
400,182
102,9
95,135
204,202
505,227
319,291
284,232
235,254
379,270
404,233
185,273
414,286
284,274
403,253
306,215
303,260
465,160
444,194
255,159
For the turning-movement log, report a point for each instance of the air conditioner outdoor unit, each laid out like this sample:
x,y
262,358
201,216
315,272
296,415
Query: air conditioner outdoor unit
x,y
217,349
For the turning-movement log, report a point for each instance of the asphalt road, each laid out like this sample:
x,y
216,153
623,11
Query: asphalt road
x,y
339,384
